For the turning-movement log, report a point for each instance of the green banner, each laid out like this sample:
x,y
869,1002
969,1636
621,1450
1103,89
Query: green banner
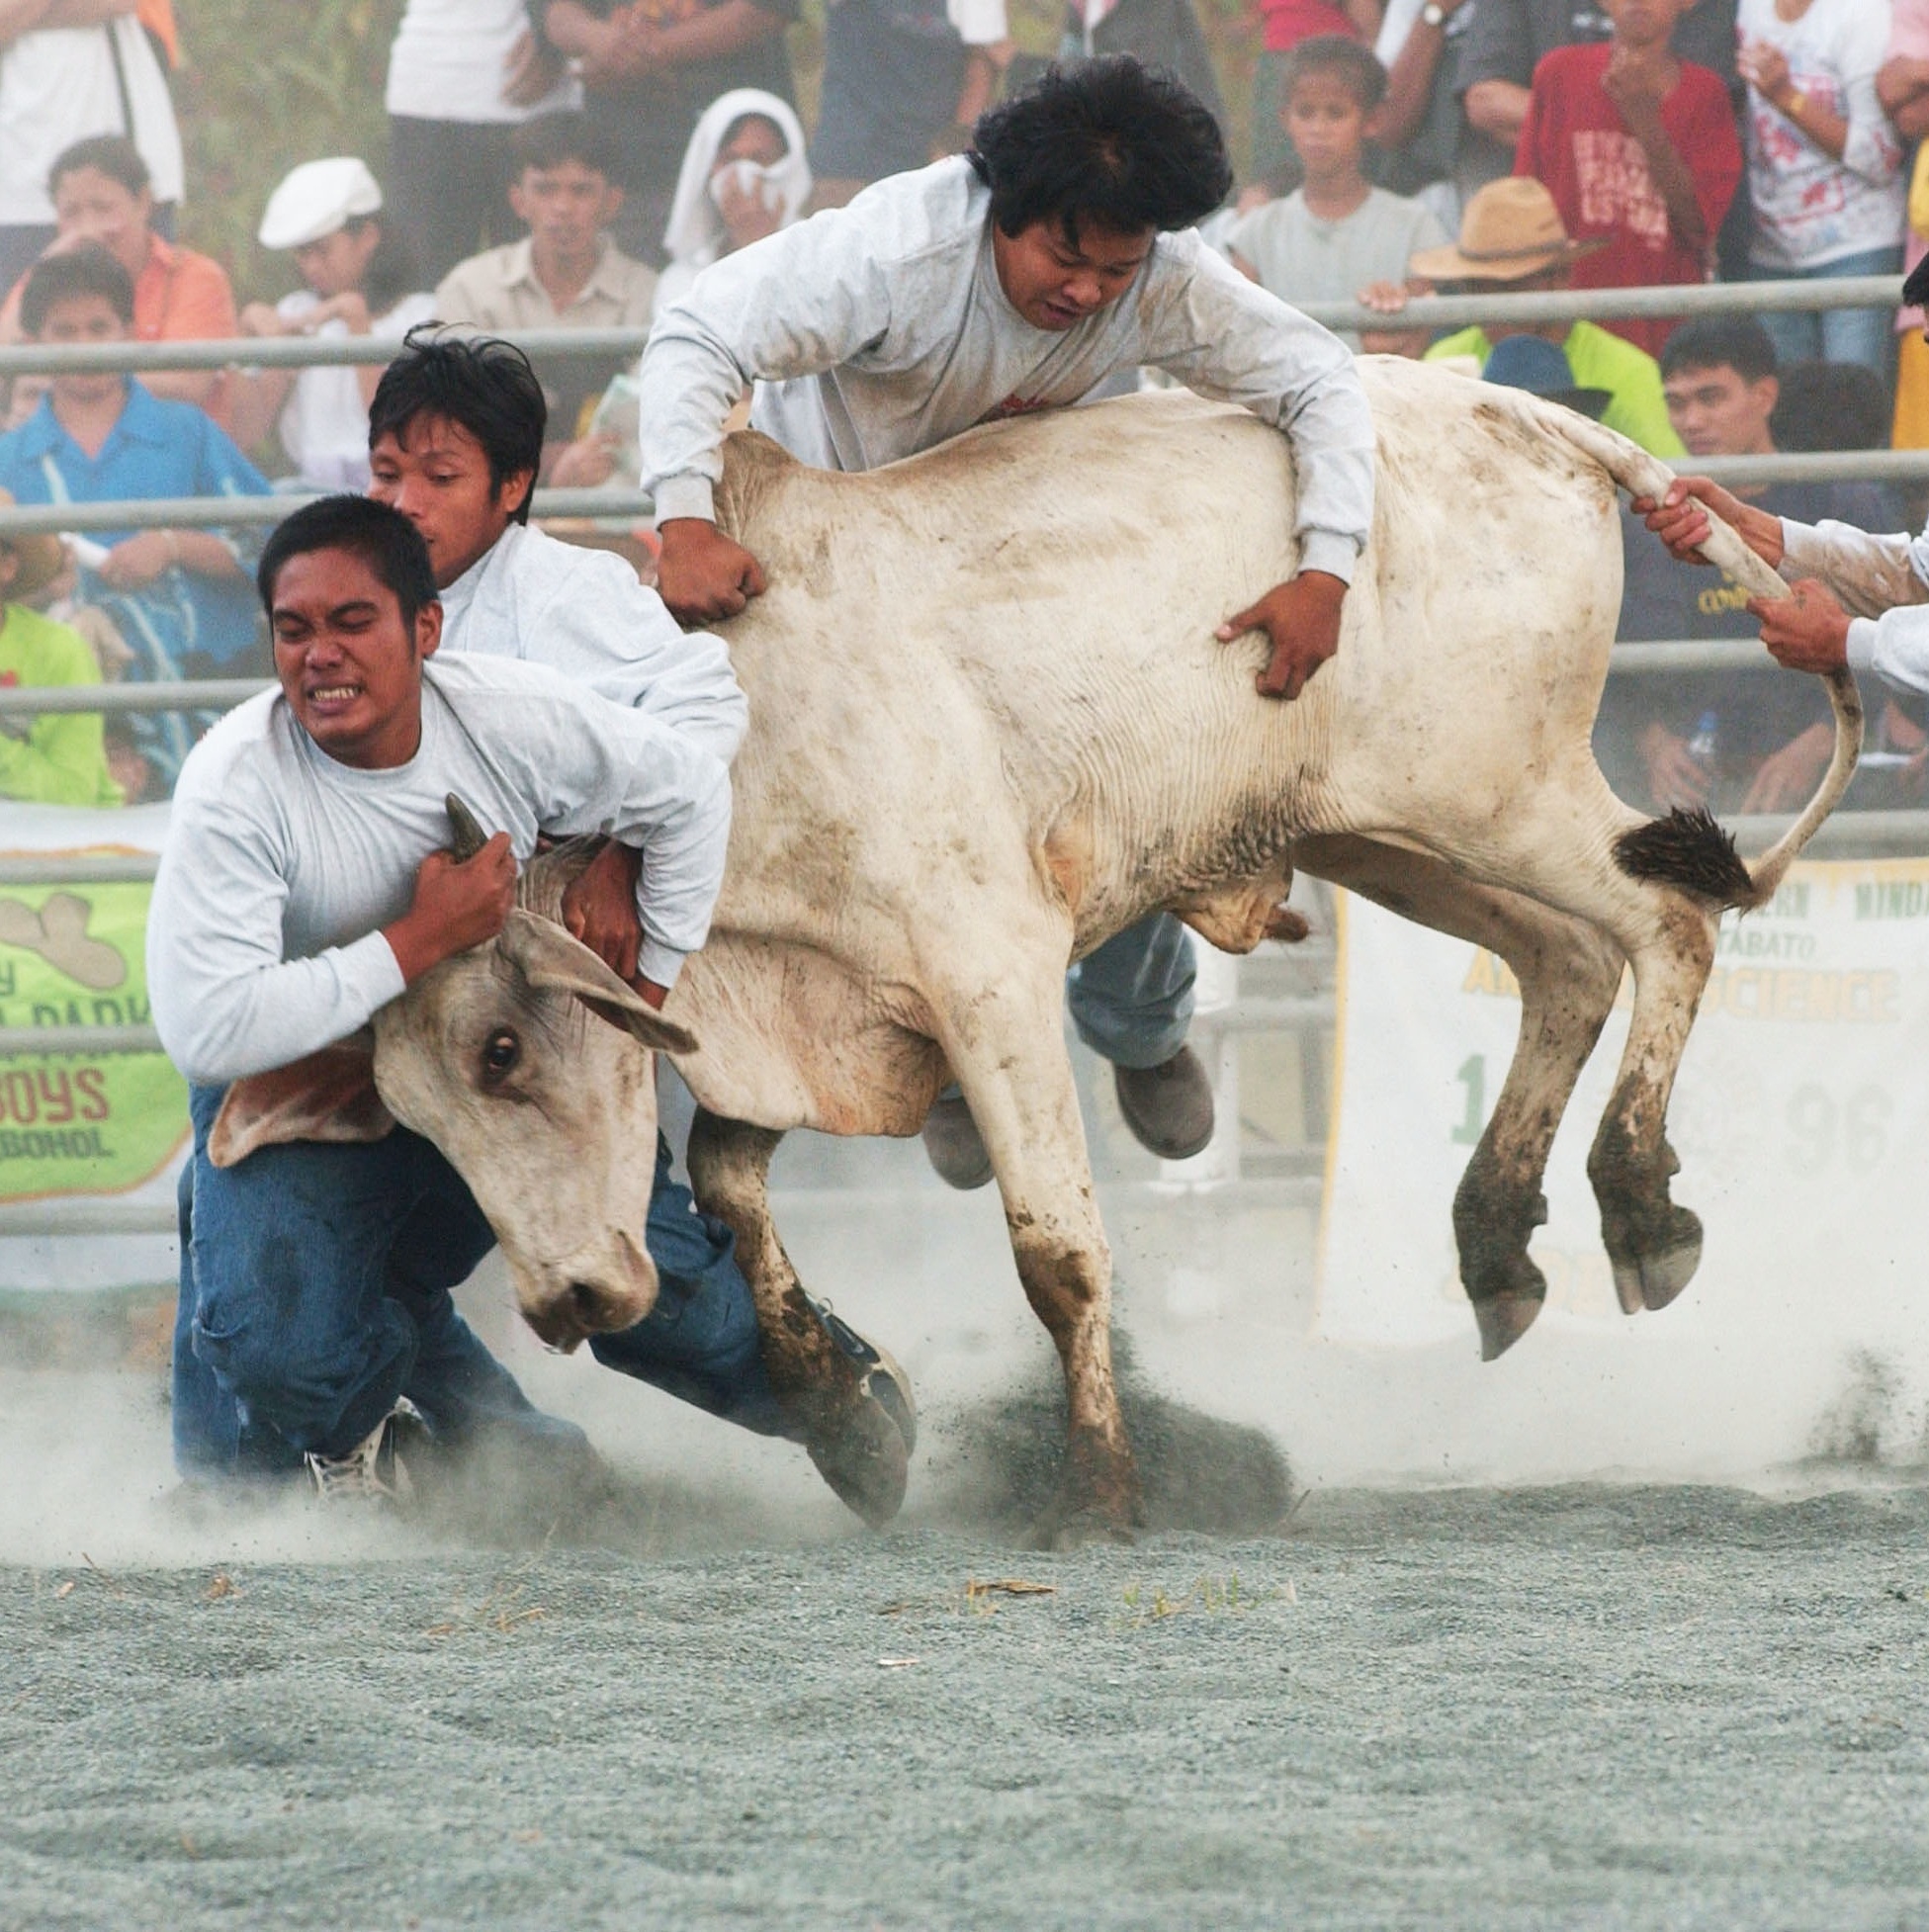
x,y
81,1123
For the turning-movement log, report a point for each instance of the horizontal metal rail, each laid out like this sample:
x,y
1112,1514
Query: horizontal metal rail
x,y
41,1219
243,512
1488,310
78,1039
221,694
91,869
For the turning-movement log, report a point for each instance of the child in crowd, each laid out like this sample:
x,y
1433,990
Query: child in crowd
x,y
102,193
1638,149
1825,166
359,283
1283,26
1336,234
58,757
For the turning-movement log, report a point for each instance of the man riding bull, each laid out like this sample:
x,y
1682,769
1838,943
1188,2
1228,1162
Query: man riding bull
x,y
1022,276
303,884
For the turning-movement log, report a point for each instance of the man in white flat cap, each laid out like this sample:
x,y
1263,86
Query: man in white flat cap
x,y
360,282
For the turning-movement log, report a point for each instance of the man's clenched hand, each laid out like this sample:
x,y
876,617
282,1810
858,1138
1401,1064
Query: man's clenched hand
x,y
702,575
1302,619
456,905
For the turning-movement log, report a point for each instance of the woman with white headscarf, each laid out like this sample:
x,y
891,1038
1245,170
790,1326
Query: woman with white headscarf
x,y
745,176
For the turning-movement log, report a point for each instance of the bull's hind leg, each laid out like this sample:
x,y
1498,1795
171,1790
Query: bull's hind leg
x,y
1006,1046
857,1447
1568,975
1575,852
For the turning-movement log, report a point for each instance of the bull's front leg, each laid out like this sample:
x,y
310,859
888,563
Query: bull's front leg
x,y
856,1446
1008,1054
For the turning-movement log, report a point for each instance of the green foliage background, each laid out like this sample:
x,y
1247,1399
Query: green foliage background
x,y
267,83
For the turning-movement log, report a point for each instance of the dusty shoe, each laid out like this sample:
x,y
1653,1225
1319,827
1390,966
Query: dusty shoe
x,y
879,1376
951,1140
1169,1107
374,1472
860,1438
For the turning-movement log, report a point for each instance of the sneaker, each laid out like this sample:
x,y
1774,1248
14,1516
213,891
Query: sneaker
x,y
879,1377
373,1471
952,1143
1169,1107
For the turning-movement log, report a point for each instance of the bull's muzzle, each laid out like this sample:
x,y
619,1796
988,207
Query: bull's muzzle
x,y
591,1294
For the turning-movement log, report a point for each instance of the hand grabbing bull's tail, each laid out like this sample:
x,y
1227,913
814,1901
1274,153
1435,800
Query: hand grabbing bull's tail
x,y
1690,849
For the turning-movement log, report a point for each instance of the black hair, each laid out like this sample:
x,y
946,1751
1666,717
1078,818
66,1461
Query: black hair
x,y
742,120
1108,142
88,270
1830,405
1339,54
551,140
382,537
115,155
477,381
1737,342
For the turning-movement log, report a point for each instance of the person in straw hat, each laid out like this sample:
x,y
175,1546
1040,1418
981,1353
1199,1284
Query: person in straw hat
x,y
1511,240
53,760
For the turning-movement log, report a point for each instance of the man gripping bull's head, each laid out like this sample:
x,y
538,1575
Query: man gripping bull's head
x,y
1055,256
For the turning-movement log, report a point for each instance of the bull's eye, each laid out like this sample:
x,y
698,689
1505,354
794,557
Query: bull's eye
x,y
501,1053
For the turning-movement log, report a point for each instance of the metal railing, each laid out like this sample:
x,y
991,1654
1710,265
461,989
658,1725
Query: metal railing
x,y
1424,312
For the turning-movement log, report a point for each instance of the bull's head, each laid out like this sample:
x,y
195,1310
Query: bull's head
x,y
524,1062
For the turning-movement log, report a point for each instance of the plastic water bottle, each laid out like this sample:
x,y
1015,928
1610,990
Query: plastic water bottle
x,y
1701,745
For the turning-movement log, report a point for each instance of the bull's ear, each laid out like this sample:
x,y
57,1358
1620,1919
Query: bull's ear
x,y
331,1095
548,956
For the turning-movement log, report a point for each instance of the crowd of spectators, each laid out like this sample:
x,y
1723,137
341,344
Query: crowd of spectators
x,y
576,163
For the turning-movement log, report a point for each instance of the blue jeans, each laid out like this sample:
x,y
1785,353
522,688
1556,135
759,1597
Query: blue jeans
x,y
1132,998
315,1288
1863,335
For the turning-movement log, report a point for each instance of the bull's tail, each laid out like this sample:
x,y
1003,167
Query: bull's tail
x,y
1688,848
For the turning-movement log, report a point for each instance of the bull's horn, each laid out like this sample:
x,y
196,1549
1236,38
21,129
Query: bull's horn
x,y
469,837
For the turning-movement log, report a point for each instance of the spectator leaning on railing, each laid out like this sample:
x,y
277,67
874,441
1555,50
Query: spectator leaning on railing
x,y
1903,88
58,757
1729,739
1825,166
180,598
102,195
1511,242
1638,149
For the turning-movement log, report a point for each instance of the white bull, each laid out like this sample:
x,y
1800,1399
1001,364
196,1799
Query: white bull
x,y
992,727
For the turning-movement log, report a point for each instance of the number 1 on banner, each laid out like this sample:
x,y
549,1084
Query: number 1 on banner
x,y
1473,1077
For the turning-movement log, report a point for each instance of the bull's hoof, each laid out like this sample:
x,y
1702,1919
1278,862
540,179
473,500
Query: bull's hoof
x,y
1653,1277
1650,1281
865,1459
1503,1319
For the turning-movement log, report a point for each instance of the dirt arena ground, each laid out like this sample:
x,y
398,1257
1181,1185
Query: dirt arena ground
x,y
1578,1705
1628,1630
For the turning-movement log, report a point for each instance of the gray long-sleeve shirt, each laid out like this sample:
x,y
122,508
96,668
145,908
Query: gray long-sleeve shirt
x,y
582,613
1882,580
281,866
880,329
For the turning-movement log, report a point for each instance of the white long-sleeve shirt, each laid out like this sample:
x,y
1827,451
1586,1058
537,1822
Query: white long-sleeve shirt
x,y
1882,580
281,866
880,329
583,613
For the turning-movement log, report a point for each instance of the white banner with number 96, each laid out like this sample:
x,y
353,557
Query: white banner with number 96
x,y
1802,1119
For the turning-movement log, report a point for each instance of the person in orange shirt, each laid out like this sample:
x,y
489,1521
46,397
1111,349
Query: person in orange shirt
x,y
102,193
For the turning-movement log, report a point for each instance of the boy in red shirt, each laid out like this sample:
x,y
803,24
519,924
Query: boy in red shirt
x,y
1639,149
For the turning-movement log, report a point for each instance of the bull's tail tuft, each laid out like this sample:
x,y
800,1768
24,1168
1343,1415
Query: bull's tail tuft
x,y
1688,849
